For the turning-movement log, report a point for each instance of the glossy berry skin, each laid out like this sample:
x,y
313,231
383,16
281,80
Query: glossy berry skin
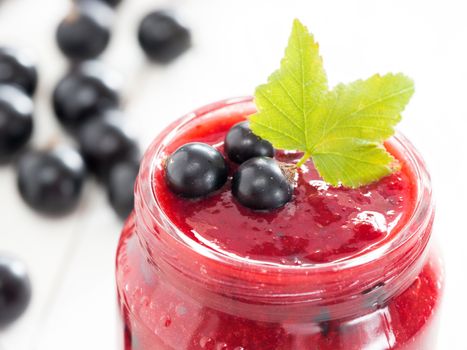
x,y
260,184
17,67
241,144
162,37
105,142
84,93
195,170
16,121
51,181
120,187
15,290
85,32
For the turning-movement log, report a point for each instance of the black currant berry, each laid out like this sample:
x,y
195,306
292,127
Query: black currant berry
x,y
195,170
51,181
120,187
18,68
162,37
85,32
84,93
241,144
105,142
15,290
16,112
261,184
113,3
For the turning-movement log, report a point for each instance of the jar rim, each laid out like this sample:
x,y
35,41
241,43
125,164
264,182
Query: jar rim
x,y
337,288
421,210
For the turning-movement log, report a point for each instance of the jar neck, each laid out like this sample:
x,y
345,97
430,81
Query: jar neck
x,y
271,292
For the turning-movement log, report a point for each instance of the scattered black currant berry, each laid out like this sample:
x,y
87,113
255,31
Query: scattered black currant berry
x,y
195,170
84,93
162,37
51,181
105,142
241,144
16,121
15,290
17,67
85,32
113,3
261,184
120,187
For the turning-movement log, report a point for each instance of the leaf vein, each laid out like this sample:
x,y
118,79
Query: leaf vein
x,y
281,111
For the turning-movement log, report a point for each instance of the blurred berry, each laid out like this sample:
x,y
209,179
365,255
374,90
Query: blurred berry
x,y
113,3
18,68
162,37
105,142
120,187
15,290
85,32
51,181
84,93
16,123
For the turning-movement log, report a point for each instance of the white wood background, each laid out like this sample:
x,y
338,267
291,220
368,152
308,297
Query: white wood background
x,y
236,45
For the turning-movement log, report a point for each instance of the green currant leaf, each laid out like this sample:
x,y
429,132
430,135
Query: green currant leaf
x,y
343,130
292,93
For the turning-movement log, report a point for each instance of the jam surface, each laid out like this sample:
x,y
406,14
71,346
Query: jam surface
x,y
321,223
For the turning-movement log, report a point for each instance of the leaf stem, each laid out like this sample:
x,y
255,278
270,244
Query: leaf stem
x,y
303,159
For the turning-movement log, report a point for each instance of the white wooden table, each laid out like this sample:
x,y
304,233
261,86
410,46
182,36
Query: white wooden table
x,y
236,45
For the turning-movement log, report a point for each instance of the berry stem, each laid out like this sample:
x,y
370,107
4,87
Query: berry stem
x,y
303,159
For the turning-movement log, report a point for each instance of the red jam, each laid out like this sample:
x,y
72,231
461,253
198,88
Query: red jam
x,y
334,269
320,224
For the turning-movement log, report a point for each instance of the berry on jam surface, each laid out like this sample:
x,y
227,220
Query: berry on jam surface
x,y
261,184
241,144
320,224
195,170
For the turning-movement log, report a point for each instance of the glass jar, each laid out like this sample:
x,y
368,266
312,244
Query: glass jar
x,y
176,294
